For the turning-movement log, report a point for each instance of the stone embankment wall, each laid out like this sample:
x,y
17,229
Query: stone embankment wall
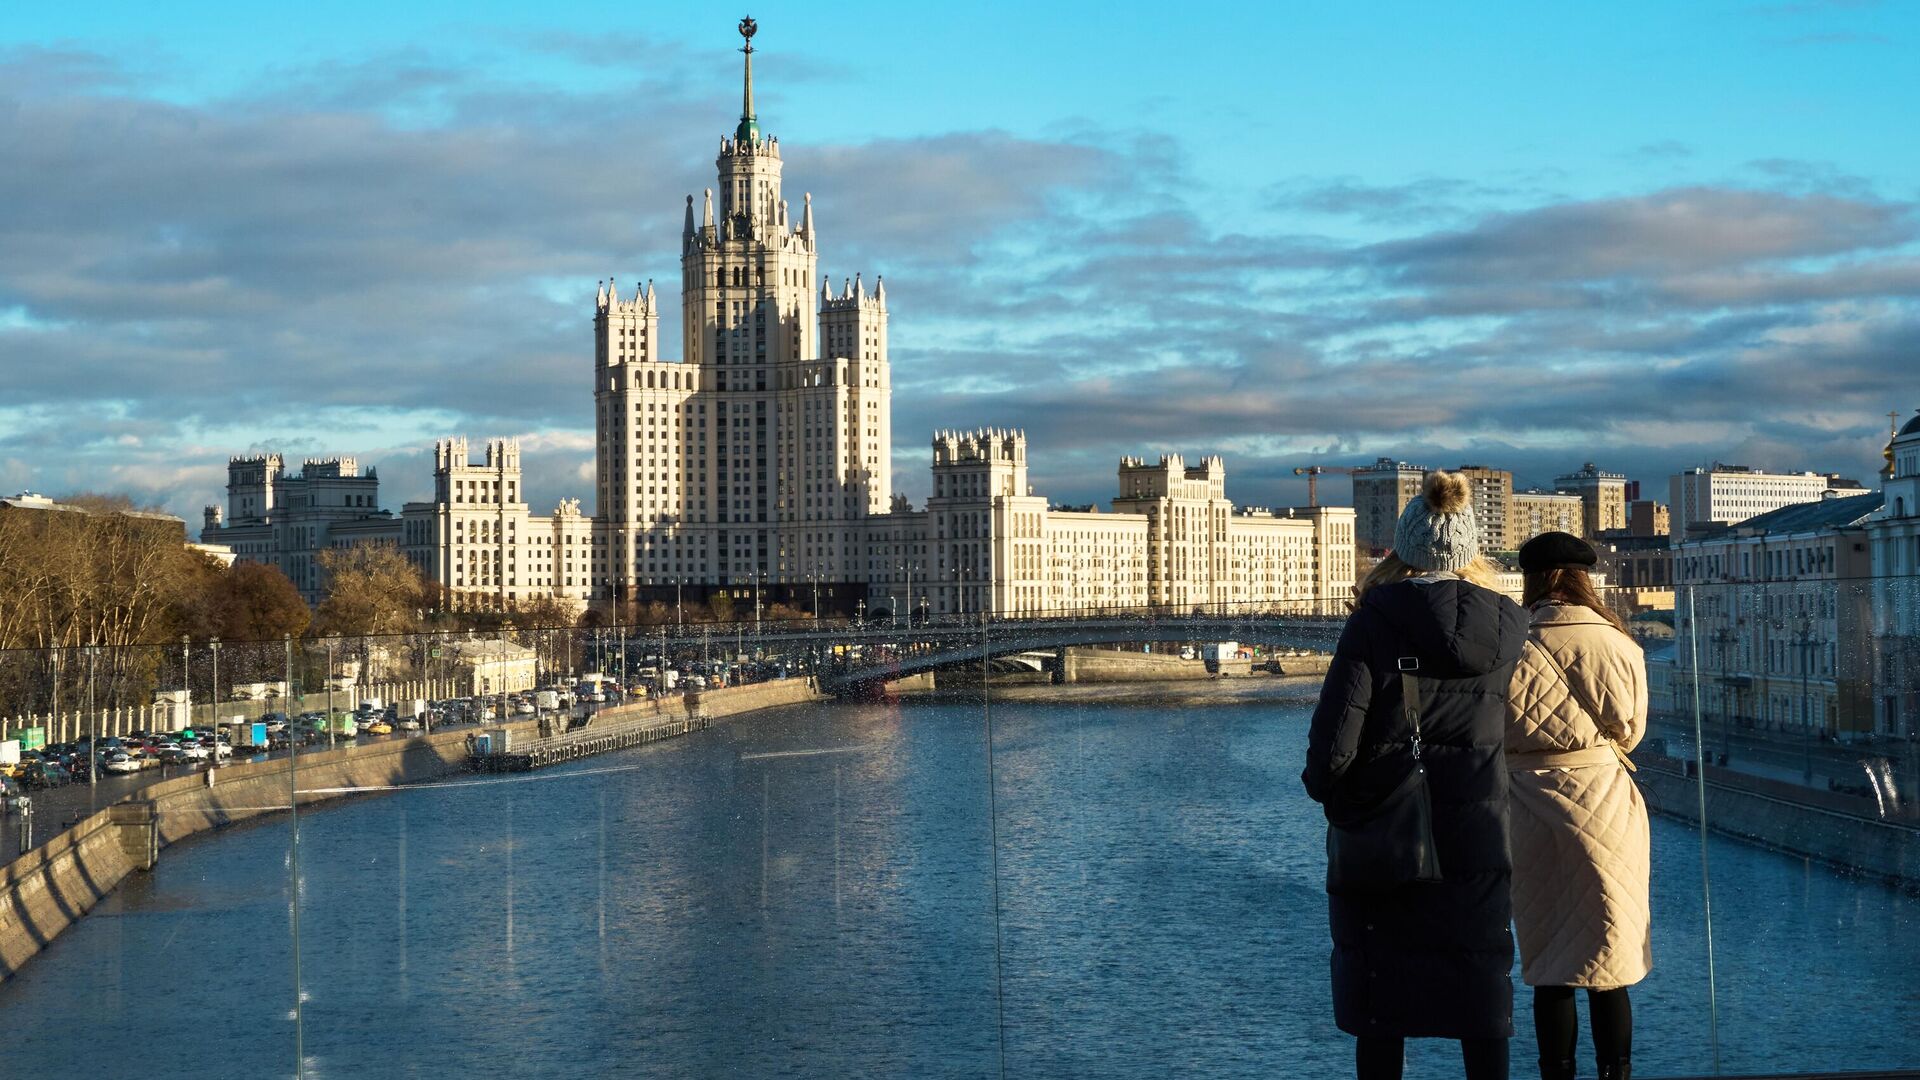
x,y
1310,664
47,889
1116,666
1840,830
50,887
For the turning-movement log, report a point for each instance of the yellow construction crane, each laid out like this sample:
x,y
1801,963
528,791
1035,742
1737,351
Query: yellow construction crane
x,y
1313,474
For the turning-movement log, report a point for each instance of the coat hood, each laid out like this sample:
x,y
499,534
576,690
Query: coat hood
x,y
1456,628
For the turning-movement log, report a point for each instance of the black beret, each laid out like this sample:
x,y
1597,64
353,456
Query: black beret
x,y
1556,551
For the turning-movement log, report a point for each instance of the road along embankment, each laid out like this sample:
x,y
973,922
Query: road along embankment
x,y
1844,831
50,887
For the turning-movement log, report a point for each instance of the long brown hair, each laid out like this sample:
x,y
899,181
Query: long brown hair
x,y
1392,568
1571,587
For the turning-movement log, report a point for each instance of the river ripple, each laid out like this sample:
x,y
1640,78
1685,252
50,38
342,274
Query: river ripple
x,y
811,893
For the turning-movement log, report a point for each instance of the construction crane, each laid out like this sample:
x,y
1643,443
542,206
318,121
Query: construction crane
x,y
1313,474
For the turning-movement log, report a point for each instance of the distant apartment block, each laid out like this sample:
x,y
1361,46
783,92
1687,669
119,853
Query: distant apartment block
x,y
1727,494
1380,492
480,542
475,538
1492,497
1173,541
1648,518
1531,513
1774,613
1603,499
286,520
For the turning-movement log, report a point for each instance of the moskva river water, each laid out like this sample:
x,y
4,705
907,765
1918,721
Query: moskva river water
x,y
813,893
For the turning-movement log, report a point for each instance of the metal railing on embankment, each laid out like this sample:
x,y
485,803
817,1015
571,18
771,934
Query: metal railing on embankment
x,y
586,742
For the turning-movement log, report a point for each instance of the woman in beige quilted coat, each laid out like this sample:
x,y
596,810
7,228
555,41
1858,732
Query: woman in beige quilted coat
x,y
1578,703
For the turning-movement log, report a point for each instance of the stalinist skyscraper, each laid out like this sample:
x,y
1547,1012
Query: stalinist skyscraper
x,y
760,455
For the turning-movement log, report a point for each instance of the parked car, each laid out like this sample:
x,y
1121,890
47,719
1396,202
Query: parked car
x,y
378,725
46,774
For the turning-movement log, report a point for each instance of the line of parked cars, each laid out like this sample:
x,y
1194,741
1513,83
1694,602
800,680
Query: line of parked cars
x,y
59,764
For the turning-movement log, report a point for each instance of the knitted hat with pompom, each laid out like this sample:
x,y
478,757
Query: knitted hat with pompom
x,y
1437,530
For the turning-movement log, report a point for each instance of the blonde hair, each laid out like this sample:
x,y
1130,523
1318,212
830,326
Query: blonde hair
x,y
1392,568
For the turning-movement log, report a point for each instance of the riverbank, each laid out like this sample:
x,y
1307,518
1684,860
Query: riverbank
x,y
48,889
1846,832
1216,690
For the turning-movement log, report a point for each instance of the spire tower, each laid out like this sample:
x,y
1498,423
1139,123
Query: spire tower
x,y
749,129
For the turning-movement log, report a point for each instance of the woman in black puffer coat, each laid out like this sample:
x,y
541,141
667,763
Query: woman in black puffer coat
x,y
1425,960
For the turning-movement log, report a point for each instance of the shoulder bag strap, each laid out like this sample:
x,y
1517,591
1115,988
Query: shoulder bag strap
x,y
1580,699
1410,698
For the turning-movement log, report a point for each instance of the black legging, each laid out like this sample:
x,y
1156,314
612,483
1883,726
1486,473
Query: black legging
x,y
1382,1059
1558,1028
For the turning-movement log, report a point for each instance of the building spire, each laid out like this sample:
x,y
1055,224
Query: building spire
x,y
749,130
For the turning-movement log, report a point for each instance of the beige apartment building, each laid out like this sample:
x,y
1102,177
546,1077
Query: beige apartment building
x,y
1531,513
1492,497
478,539
1775,615
1603,499
1648,518
1172,541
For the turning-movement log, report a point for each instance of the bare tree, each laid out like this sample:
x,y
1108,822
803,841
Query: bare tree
x,y
371,589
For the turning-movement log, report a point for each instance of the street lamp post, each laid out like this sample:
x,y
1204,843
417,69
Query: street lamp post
x,y
93,729
758,576
330,723
186,677
213,702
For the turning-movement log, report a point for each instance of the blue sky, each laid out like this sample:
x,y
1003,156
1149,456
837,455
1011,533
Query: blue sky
x,y
1650,235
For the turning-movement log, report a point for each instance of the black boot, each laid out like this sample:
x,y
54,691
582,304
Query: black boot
x,y
1557,1070
1621,1069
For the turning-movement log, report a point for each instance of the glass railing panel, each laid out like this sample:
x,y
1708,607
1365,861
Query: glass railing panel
x,y
1161,867
109,871
1079,842
1810,842
796,884
1815,767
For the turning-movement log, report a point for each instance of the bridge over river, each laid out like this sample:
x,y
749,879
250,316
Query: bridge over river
x,y
899,653
853,656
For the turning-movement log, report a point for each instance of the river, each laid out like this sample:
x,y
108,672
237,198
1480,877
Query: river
x,y
812,893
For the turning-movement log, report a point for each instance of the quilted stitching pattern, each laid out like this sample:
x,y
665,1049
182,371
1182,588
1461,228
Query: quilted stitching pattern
x,y
1581,857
